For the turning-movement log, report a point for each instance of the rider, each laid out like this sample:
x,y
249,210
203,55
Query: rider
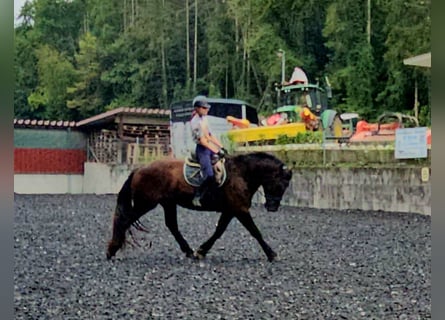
x,y
207,145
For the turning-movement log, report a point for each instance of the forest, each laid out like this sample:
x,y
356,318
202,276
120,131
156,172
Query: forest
x,y
78,58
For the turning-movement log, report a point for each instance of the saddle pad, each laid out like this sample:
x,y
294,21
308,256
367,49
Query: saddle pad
x,y
193,176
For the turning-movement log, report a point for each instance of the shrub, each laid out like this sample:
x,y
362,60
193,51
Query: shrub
x,y
301,138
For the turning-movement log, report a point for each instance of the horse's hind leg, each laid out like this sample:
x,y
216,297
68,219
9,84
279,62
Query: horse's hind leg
x,y
171,221
223,222
246,220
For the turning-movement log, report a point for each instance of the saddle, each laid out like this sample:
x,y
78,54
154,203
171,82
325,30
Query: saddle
x,y
192,171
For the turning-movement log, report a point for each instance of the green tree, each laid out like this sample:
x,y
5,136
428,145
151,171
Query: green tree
x,y
300,24
85,94
26,77
105,20
351,66
137,69
58,24
55,74
219,33
408,33
360,81
146,53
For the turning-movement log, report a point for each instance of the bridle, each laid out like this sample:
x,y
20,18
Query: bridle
x,y
269,197
272,198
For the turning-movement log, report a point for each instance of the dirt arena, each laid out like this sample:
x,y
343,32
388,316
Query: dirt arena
x,y
332,265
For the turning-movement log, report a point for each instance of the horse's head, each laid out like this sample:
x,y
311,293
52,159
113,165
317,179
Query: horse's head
x,y
274,188
266,170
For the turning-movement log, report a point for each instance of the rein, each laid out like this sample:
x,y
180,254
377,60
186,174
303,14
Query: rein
x,y
268,197
272,198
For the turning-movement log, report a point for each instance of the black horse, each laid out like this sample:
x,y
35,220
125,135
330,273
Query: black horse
x,y
162,182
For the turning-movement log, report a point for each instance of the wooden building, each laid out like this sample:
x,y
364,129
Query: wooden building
x,y
127,135
52,156
120,136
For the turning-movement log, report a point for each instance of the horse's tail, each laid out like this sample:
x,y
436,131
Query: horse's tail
x,y
121,218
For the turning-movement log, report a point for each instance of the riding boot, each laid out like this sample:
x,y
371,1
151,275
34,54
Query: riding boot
x,y
205,186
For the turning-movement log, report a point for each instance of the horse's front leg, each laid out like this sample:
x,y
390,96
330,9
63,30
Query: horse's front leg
x,y
246,220
171,221
223,222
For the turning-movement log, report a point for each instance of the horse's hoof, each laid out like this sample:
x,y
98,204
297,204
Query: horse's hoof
x,y
273,257
110,254
190,254
198,255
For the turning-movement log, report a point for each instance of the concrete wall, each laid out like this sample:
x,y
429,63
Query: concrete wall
x,y
100,178
48,183
388,189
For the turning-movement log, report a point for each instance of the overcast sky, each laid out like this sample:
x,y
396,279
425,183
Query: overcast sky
x,y
17,6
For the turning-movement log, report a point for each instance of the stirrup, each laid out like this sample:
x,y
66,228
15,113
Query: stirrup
x,y
197,202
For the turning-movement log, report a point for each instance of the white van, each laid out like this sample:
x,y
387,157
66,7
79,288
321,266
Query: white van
x,y
181,112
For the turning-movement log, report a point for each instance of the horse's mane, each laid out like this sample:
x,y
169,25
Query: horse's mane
x,y
258,156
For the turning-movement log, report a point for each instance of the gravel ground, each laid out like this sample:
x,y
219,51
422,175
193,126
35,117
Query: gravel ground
x,y
333,265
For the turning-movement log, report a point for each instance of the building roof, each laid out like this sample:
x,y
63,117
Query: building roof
x,y
33,123
109,116
100,119
423,60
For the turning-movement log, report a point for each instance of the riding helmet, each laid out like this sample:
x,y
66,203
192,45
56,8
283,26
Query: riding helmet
x,y
200,101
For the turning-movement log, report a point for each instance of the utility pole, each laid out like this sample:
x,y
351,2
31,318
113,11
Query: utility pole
x,y
368,27
195,56
187,32
282,55
416,98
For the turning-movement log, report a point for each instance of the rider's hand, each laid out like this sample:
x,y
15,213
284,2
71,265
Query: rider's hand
x,y
221,153
215,158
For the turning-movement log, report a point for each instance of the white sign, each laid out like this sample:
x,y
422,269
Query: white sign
x,y
411,143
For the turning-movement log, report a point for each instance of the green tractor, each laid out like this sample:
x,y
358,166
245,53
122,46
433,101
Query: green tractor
x,y
304,102
302,107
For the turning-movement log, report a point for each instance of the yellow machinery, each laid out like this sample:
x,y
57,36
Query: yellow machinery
x,y
265,133
306,108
